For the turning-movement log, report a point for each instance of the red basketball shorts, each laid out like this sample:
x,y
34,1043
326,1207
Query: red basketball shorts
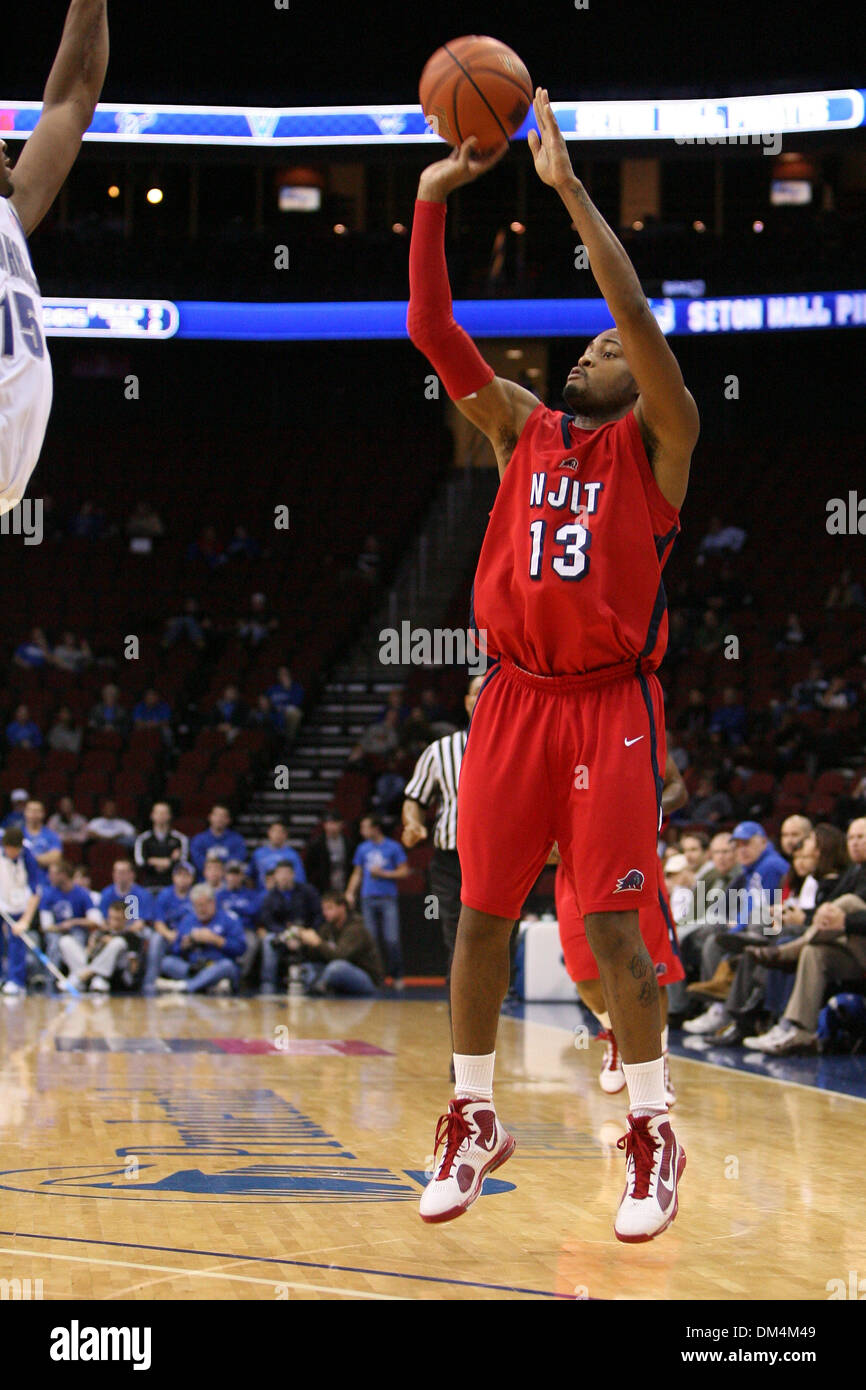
x,y
575,759
656,927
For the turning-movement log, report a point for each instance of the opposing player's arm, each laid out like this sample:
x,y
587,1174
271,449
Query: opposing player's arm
x,y
498,407
666,412
675,793
70,98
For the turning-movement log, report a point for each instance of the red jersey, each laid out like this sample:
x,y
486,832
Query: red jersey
x,y
569,579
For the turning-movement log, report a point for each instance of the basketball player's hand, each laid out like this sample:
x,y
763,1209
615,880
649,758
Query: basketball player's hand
x,y
552,163
463,165
413,831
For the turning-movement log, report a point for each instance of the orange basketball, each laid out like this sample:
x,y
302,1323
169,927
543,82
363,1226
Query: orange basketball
x,y
475,86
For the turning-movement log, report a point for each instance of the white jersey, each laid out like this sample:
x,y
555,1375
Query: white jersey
x,y
26,385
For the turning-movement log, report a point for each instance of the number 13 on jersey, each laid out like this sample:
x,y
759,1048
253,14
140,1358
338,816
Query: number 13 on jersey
x,y
571,562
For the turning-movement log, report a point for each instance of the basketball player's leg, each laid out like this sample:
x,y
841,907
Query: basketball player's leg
x,y
479,980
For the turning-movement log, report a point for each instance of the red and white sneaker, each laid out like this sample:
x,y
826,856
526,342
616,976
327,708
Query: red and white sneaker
x,y
654,1162
475,1144
670,1093
611,1077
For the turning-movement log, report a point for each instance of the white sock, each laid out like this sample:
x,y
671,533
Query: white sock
x,y
604,1020
473,1076
646,1086
664,1039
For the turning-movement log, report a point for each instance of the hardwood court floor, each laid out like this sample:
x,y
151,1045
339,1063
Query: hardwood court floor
x,y
253,1149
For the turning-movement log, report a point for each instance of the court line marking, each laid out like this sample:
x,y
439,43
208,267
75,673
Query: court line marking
x,y
278,1260
172,1270
705,1062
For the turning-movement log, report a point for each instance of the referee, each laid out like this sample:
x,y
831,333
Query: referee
x,y
435,777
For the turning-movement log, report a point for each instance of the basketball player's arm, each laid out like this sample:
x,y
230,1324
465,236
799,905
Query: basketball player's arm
x,y
674,794
666,412
498,407
70,98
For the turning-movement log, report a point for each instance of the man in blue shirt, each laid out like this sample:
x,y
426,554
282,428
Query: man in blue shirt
x,y
287,698
219,836
138,901
277,851
379,863
245,903
23,732
172,904
43,844
65,907
207,944
17,799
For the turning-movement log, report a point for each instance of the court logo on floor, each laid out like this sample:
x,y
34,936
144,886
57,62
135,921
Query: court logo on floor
x,y
226,1146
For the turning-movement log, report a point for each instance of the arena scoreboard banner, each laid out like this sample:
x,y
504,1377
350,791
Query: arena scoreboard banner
x,y
482,318
706,120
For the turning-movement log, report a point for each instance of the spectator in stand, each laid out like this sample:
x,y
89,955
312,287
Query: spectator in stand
x,y
215,875
245,902
19,901
82,878
190,624
846,593
152,712
171,905
710,805
288,905
329,856
695,718
68,823
378,740
110,826
794,830
205,951
342,956
416,734
806,694
433,709
113,949
17,800
388,793
242,545
792,635
720,538
287,697
264,716
379,863
791,742
89,523
694,844
762,870
680,883
709,636
729,718
157,850
839,695
72,654
145,522
33,654
108,713
65,907
396,700
206,549
276,851
219,835
370,560
43,844
23,732
258,623
137,900
65,735
230,712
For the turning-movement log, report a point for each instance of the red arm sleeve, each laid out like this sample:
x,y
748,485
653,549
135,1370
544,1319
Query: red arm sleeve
x,y
430,321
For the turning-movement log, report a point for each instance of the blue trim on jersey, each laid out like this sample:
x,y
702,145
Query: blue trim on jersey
x,y
662,542
659,609
644,688
566,438
669,923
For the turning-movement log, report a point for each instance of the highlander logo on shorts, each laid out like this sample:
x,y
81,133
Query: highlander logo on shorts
x,y
633,879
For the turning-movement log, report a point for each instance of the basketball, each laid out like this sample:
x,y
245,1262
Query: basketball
x,y
477,86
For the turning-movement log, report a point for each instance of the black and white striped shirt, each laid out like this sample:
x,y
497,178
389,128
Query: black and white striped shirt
x,y
436,774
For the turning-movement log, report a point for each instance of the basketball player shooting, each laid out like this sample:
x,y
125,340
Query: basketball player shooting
x,y
26,194
567,737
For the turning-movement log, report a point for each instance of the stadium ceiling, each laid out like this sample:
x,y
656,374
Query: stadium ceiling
x,y
711,121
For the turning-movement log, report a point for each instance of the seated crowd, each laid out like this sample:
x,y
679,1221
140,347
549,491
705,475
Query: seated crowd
x,y
186,915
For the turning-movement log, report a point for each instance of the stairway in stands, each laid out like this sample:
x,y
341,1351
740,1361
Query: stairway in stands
x,y
434,565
